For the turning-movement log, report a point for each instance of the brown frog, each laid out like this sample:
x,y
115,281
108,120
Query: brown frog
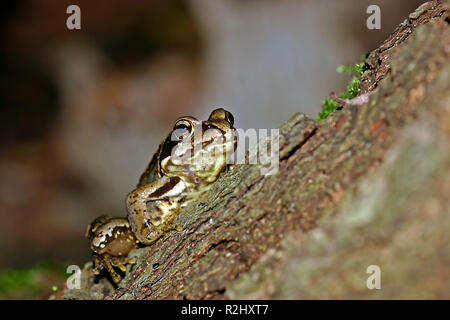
x,y
185,165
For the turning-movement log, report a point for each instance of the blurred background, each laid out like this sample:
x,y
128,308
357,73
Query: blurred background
x,y
82,111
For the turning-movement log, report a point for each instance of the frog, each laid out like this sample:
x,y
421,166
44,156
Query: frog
x,y
184,167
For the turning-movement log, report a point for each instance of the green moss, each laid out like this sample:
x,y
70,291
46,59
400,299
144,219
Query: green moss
x,y
27,283
352,90
356,69
328,106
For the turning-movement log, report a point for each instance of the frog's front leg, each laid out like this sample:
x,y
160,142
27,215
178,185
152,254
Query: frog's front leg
x,y
153,207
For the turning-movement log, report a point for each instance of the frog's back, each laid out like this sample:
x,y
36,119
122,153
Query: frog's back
x,y
151,172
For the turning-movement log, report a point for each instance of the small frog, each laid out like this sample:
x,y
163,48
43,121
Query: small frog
x,y
185,165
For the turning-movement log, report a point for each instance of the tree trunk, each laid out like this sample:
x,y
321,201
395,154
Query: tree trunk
x,y
369,185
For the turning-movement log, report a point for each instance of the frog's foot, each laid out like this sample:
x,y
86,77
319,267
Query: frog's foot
x,y
117,263
121,262
110,263
155,233
171,227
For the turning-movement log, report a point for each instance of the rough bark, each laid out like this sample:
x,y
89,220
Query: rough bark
x,y
368,185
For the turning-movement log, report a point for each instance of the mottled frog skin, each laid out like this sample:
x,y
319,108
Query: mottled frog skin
x,y
185,165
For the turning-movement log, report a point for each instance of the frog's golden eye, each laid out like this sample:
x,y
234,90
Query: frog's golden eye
x,y
182,129
229,117
222,114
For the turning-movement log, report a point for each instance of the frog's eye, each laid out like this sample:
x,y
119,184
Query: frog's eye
x,y
222,114
181,130
229,117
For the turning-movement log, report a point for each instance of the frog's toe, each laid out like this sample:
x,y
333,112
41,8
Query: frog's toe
x,y
97,261
169,227
116,262
152,236
107,263
115,276
96,270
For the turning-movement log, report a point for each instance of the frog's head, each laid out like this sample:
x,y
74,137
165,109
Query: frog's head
x,y
199,150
